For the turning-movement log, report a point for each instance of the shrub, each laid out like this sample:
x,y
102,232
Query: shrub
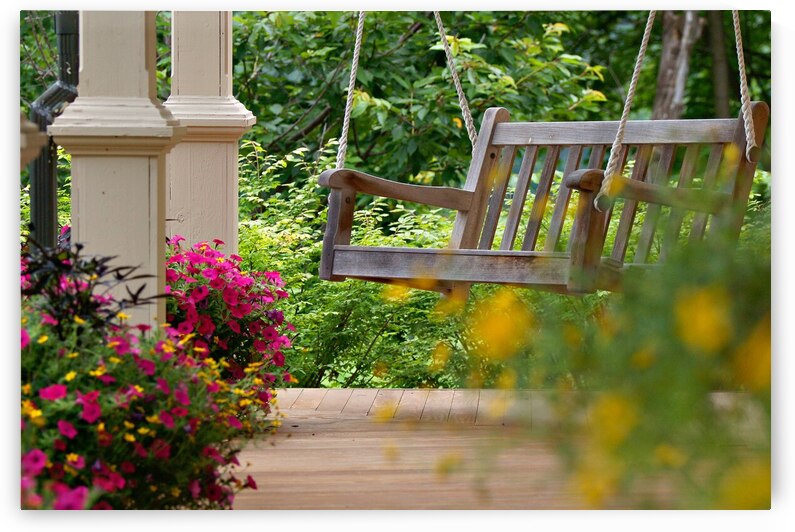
x,y
229,314
116,416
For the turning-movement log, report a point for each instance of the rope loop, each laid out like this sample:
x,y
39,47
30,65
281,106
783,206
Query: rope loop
x,y
751,149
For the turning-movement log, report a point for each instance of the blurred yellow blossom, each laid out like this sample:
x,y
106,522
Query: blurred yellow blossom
x,y
746,486
69,377
395,293
612,418
667,455
751,362
702,318
441,354
498,326
596,477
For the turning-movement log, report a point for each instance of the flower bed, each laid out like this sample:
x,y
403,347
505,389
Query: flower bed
x,y
120,416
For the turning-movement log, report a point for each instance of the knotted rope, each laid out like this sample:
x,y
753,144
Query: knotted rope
x,y
751,149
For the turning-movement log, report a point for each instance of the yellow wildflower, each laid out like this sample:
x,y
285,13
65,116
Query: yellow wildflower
x,y
498,324
79,320
123,316
97,372
596,478
129,437
746,486
144,431
245,402
26,389
703,320
69,377
154,418
751,362
72,355
175,491
457,122
115,360
152,487
669,456
43,338
612,418
441,354
129,425
395,293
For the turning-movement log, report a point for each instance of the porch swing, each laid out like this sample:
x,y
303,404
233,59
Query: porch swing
x,y
581,263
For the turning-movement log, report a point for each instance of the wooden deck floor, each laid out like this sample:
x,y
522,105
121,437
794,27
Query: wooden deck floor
x,y
407,449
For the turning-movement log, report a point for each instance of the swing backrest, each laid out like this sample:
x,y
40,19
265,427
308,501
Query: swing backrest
x,y
520,202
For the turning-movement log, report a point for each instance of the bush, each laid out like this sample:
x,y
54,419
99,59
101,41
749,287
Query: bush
x,y
116,416
229,314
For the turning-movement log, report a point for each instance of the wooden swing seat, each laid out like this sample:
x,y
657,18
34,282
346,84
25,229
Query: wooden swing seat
x,y
677,167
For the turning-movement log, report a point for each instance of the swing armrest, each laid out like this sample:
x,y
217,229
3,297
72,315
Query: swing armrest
x,y
587,180
445,197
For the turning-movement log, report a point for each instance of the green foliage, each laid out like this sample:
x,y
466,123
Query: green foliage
x,y
291,71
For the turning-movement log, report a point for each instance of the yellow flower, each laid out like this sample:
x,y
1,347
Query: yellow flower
x,y
101,427
175,491
72,457
457,122
596,478
669,456
69,377
123,316
26,389
751,361
612,418
746,486
129,425
702,318
497,326
72,355
43,338
115,360
395,293
507,379
144,431
97,372
152,487
79,320
138,389
154,418
441,354
129,437
245,402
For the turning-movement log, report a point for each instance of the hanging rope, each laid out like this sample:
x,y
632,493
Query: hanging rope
x,y
603,200
751,149
346,119
462,99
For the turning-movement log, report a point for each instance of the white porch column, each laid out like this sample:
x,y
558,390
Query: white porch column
x,y
118,133
202,169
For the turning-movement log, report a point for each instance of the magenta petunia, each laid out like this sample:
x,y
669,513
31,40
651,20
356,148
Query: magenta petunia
x,y
161,449
199,293
166,419
230,296
176,239
260,346
53,392
185,327
179,411
234,422
69,498
194,488
235,326
250,483
217,283
181,395
218,242
33,462
162,385
171,275
78,462
206,325
210,273
146,366
25,338
278,359
66,429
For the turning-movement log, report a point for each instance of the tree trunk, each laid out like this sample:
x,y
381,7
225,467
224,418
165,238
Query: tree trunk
x,y
720,63
680,33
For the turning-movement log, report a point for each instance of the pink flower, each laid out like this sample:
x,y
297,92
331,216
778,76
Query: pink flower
x,y
33,462
278,359
166,419
146,366
214,454
210,273
234,326
213,387
171,275
181,395
206,325
53,392
199,293
176,239
67,429
47,319
69,499
217,283
218,242
194,488
230,296
179,411
162,385
250,483
260,346
25,338
91,408
77,462
234,422
161,449
185,327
